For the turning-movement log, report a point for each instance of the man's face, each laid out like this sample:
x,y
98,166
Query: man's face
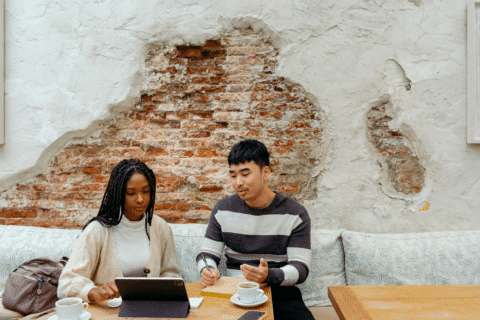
x,y
248,180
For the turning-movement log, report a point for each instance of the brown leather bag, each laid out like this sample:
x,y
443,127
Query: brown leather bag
x,y
32,287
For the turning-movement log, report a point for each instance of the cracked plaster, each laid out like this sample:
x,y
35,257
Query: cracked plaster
x,y
71,64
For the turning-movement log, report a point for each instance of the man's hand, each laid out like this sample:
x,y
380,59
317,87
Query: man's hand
x,y
256,274
108,291
207,277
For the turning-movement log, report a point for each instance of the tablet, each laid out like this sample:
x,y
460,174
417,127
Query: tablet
x,y
153,297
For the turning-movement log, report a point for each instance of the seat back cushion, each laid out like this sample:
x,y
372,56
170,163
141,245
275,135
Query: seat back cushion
x,y
188,240
326,268
439,258
19,244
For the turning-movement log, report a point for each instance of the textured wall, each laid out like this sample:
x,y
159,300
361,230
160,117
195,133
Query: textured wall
x,y
386,78
196,102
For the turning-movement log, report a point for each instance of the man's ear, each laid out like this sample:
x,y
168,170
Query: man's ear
x,y
266,171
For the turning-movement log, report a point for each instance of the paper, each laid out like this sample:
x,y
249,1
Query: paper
x,y
224,288
195,302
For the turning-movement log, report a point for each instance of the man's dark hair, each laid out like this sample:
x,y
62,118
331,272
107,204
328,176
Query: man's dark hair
x,y
249,150
112,207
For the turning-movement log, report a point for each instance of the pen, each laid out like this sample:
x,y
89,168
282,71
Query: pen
x,y
208,268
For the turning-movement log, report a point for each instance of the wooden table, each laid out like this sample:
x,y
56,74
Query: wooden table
x,y
406,302
211,307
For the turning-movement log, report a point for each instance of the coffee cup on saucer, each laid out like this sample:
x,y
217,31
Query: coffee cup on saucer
x,y
249,292
70,308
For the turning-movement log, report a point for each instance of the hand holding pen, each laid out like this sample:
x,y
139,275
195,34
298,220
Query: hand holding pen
x,y
209,275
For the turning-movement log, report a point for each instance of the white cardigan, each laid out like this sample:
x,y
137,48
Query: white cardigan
x,y
94,259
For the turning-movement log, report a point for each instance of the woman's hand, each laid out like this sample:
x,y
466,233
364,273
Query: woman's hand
x,y
105,292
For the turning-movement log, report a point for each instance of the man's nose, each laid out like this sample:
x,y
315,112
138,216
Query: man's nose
x,y
238,181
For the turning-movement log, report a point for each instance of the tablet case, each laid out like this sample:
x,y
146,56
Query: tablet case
x,y
153,297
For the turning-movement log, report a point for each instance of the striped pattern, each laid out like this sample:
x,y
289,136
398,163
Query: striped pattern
x,y
280,234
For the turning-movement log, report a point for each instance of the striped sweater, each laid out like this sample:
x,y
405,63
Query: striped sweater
x,y
280,234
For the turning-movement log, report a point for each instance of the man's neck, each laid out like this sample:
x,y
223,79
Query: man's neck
x,y
263,200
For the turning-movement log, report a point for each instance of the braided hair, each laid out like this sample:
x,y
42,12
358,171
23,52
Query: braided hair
x,y
112,207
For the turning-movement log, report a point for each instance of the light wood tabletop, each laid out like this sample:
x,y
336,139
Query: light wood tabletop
x,y
211,307
406,302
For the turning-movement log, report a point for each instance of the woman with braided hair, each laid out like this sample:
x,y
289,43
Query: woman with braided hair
x,y
124,239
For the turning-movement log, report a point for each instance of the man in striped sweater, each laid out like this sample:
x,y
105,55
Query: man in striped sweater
x,y
265,235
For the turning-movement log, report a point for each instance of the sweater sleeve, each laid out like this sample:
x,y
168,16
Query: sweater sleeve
x,y
170,266
212,245
75,280
298,255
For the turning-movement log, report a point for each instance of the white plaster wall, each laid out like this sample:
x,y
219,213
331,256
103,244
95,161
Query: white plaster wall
x,y
72,63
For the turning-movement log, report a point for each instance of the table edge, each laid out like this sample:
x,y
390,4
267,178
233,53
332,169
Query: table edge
x,y
354,304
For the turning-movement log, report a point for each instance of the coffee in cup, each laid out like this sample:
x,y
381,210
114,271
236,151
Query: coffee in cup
x,y
70,308
249,292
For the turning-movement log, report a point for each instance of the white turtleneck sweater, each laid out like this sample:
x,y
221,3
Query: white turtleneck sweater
x,y
133,246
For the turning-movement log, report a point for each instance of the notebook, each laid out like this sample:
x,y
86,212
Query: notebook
x,y
225,287
153,297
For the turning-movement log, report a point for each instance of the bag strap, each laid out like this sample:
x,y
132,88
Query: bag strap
x,y
63,261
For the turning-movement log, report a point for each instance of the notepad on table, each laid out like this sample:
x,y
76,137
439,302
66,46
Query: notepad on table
x,y
225,287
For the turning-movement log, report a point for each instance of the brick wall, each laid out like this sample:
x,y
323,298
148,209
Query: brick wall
x,y
196,103
403,168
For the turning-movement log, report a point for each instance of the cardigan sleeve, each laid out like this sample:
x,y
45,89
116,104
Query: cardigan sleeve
x,y
169,262
75,280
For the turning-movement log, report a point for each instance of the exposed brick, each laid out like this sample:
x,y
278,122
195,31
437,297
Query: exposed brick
x,y
18,222
92,170
288,189
156,152
170,215
18,213
196,103
211,189
165,206
405,172
206,153
183,206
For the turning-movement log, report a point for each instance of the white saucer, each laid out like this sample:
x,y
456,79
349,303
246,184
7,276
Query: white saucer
x,y
84,316
237,301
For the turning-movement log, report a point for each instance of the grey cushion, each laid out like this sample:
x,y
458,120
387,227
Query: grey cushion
x,y
413,258
327,267
19,244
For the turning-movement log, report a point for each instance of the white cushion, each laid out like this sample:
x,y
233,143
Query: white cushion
x,y
326,267
19,244
413,258
188,240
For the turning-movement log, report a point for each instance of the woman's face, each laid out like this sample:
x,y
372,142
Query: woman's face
x,y
137,197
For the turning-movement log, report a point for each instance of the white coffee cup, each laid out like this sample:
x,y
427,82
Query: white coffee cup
x,y
70,308
249,292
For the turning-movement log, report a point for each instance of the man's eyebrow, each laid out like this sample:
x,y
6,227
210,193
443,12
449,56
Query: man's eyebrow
x,y
241,170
